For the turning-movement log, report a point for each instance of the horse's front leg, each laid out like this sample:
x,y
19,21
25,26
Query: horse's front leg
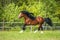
x,y
23,28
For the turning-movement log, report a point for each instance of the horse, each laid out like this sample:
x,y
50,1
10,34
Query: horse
x,y
30,19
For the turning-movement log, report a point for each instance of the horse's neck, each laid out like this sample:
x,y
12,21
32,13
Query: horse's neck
x,y
25,17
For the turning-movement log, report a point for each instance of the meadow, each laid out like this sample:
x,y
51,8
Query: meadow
x,y
29,35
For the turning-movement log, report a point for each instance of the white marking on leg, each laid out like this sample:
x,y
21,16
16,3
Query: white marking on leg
x,y
42,32
21,31
35,31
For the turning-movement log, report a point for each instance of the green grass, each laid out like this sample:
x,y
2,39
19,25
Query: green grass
x,y
15,35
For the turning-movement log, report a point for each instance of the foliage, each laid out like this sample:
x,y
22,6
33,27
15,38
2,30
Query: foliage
x,y
11,12
10,9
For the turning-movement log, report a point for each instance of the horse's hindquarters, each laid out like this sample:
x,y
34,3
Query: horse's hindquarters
x,y
40,19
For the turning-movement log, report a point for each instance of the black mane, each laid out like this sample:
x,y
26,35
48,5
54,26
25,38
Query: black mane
x,y
30,15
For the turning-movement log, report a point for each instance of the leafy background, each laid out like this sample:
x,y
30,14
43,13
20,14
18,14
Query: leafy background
x,y
10,9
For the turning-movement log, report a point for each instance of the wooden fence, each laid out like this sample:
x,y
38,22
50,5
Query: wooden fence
x,y
9,25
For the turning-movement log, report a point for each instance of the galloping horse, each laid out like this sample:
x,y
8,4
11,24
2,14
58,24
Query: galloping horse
x,y
31,20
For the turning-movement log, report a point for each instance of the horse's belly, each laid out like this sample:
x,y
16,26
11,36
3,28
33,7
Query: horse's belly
x,y
32,22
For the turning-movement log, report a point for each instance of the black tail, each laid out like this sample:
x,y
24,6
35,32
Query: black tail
x,y
49,21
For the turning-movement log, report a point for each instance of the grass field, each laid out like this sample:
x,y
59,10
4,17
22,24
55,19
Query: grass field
x,y
15,35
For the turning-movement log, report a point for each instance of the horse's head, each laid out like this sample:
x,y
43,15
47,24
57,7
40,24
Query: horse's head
x,y
26,14
20,15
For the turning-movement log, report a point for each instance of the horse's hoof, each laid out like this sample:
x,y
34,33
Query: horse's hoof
x,y
21,31
42,32
35,31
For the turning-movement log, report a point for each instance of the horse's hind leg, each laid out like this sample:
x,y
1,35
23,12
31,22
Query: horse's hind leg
x,y
40,27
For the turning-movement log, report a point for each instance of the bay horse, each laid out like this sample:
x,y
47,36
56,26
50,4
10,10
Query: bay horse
x,y
31,20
